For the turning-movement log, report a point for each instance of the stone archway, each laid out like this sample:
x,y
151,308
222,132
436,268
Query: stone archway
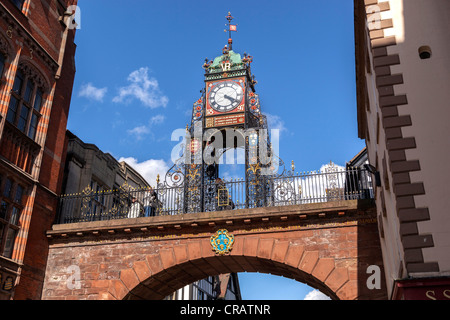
x,y
160,274
327,246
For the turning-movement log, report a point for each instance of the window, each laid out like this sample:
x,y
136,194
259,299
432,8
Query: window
x,y
11,206
7,188
25,105
18,3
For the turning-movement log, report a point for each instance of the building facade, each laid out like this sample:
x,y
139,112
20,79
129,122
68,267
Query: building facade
x,y
37,70
402,67
89,167
90,171
210,288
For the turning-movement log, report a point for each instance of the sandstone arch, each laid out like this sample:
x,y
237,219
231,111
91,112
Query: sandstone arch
x,y
328,248
159,274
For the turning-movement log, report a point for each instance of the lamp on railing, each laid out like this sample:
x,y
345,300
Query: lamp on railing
x,y
371,169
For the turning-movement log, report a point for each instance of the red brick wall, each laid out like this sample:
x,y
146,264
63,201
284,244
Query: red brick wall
x,y
51,176
53,159
41,21
36,249
49,36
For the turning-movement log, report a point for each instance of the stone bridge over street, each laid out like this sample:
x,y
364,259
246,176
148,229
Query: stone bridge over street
x,y
328,246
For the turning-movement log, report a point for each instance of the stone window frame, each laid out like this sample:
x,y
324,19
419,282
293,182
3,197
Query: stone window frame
x,y
34,114
12,196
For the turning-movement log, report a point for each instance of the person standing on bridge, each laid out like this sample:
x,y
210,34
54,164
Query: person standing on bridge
x,y
135,209
150,203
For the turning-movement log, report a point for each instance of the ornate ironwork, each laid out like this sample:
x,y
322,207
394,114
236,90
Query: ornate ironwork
x,y
331,183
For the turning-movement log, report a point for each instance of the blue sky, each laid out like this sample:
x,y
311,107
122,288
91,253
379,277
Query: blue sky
x,y
139,71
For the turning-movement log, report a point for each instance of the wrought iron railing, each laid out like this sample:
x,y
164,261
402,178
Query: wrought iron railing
x,y
309,187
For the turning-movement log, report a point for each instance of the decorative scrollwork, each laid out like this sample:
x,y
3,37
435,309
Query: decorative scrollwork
x,y
175,176
87,196
284,192
332,191
193,187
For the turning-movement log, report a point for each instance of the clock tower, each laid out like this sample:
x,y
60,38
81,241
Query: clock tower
x,y
226,117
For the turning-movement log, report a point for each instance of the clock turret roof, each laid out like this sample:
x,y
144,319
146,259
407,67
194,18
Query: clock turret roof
x,y
233,57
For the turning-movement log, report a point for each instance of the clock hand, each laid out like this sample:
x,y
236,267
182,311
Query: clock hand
x,y
230,98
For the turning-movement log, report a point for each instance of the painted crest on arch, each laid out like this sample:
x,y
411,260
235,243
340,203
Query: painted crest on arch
x,y
222,242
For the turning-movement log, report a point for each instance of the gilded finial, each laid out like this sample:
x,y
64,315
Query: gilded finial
x,y
231,28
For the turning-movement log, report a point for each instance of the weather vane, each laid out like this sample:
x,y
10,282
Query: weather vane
x,y
231,27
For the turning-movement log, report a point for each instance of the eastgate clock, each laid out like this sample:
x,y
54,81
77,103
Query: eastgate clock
x,y
226,96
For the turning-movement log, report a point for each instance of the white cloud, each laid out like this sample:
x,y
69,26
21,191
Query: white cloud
x,y
275,122
92,93
158,119
316,295
148,169
142,88
139,132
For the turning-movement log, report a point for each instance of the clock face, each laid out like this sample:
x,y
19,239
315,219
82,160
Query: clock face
x,y
226,96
